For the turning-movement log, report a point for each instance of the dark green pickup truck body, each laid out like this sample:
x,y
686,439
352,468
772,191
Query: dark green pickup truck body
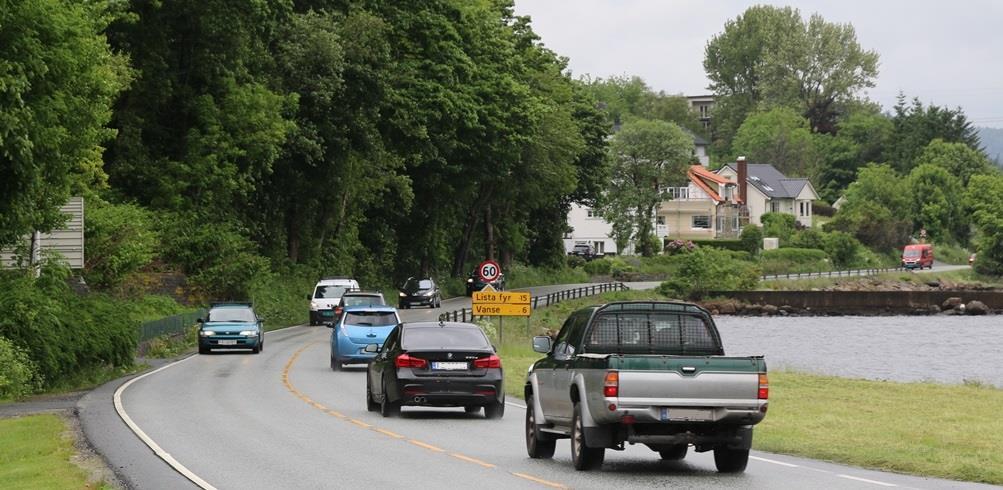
x,y
650,373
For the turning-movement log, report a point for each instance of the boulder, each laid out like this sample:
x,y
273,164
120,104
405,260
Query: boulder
x,y
728,308
752,310
976,308
770,310
951,303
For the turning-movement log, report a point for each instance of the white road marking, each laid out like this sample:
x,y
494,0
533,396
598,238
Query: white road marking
x,y
865,480
164,455
514,404
781,463
159,451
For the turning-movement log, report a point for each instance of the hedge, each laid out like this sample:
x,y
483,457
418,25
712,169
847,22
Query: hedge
x,y
725,244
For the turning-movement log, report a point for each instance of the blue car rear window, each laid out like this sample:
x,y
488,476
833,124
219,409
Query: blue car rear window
x,y
370,318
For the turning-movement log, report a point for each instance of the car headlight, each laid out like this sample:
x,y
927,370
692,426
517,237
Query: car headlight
x,y
206,333
430,293
470,280
314,305
402,294
249,333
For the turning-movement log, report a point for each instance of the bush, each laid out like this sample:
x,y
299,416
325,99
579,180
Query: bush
x,y
843,249
709,269
220,261
780,225
599,267
793,260
809,238
751,239
18,375
679,246
722,244
822,208
575,261
119,240
66,335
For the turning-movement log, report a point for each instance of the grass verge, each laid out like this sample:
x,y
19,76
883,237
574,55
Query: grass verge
x,y
36,451
943,431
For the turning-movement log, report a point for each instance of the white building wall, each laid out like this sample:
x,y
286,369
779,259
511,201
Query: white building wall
x,y
588,229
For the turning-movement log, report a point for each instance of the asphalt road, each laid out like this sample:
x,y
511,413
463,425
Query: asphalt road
x,y
283,419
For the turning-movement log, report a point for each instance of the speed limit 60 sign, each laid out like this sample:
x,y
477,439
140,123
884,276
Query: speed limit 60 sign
x,y
488,271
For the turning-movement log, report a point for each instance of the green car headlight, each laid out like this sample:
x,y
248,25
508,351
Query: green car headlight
x,y
206,333
249,333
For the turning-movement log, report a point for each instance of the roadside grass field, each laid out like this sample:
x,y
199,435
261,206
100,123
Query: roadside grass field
x,y
36,452
944,431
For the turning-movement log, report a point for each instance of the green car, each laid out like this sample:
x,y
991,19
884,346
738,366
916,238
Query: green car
x,y
231,326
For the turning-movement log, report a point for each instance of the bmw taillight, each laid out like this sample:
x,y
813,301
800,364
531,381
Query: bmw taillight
x,y
764,387
406,361
491,361
611,386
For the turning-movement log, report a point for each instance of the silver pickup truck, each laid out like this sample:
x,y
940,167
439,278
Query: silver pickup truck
x,y
651,373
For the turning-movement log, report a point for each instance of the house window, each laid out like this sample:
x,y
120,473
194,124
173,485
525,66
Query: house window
x,y
599,247
660,220
775,206
592,213
701,222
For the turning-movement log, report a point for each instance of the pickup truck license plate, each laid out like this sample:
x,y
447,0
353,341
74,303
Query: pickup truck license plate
x,y
449,366
227,342
684,414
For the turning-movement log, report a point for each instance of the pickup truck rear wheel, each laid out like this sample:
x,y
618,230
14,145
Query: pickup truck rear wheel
x,y
584,458
674,453
538,446
731,460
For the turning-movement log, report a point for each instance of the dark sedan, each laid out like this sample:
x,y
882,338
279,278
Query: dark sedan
x,y
419,292
436,364
474,283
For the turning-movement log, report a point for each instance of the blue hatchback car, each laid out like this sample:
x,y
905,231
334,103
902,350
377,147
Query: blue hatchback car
x,y
358,327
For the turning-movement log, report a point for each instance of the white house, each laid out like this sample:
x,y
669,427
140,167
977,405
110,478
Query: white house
x,y
588,227
768,190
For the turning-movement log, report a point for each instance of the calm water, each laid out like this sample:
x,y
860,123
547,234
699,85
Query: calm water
x,y
906,348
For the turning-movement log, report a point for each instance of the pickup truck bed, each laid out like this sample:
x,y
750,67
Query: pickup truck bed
x,y
644,373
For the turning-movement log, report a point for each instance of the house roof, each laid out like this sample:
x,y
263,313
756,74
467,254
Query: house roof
x,y
698,174
771,182
697,139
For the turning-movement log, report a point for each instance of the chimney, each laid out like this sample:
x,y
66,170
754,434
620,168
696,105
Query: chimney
x,y
743,180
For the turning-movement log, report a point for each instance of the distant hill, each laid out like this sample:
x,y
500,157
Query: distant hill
x,y
992,141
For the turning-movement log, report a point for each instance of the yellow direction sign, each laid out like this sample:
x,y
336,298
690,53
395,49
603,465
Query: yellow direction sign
x,y
501,297
501,310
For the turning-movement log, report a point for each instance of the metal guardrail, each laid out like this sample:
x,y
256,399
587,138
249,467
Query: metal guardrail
x,y
174,324
467,314
842,273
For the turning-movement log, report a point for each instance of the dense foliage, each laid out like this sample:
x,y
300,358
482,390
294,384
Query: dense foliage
x,y
709,269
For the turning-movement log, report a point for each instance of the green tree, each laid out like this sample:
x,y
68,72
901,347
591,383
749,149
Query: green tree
x,y
936,205
709,269
878,209
916,125
58,80
771,56
958,159
862,138
779,137
752,239
779,225
648,156
984,198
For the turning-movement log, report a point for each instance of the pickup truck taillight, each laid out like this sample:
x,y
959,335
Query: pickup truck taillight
x,y
611,386
764,387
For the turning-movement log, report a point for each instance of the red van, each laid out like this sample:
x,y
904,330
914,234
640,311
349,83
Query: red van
x,y
917,256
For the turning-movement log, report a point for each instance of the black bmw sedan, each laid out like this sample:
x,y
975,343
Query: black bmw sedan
x,y
436,364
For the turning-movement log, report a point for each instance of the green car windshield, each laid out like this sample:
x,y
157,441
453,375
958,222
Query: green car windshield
x,y
236,315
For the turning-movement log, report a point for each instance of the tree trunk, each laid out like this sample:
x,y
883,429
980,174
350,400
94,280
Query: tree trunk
x,y
463,248
489,234
293,239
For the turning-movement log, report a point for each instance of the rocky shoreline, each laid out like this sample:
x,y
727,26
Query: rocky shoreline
x,y
952,306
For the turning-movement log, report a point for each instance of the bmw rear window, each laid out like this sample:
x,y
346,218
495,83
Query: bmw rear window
x,y
434,338
371,318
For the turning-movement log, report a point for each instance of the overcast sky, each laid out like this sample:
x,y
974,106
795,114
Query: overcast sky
x,y
945,53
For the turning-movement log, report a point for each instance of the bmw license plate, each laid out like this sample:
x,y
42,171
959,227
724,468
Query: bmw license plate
x,y
449,366
227,342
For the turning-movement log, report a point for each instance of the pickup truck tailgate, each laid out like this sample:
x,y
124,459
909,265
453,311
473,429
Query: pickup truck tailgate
x,y
680,381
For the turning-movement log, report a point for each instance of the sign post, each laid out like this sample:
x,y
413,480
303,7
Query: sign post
x,y
491,302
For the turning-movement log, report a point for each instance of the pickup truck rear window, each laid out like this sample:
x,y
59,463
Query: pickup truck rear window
x,y
653,332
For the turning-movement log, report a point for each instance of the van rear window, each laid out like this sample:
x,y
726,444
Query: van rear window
x,y
654,332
